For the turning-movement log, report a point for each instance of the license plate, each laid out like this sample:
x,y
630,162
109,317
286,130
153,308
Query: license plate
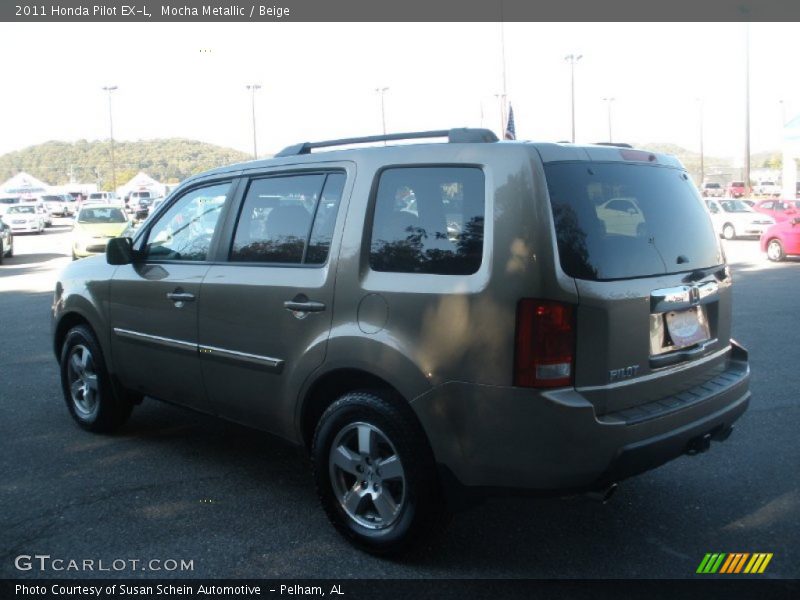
x,y
687,327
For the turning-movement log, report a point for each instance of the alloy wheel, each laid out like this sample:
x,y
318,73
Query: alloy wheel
x,y
82,381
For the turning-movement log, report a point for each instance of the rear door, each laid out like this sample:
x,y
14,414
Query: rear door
x,y
268,301
654,307
154,301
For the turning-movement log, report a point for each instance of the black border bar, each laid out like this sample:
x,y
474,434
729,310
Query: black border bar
x,y
397,10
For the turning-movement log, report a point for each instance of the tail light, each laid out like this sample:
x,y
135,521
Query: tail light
x,y
545,344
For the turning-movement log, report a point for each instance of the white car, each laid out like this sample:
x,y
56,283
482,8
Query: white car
x,y
109,198
24,218
769,188
733,218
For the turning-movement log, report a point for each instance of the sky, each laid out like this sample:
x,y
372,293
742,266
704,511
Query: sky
x,y
318,81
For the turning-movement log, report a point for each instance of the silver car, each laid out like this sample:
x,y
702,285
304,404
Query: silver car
x,y
546,317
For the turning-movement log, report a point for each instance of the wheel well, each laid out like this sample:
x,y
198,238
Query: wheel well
x,y
331,386
66,323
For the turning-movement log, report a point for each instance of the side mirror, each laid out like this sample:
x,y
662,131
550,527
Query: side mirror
x,y
119,251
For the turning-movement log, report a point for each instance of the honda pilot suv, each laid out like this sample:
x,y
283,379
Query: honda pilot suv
x,y
427,319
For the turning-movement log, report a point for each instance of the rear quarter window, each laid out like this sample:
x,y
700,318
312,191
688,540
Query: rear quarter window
x,y
622,220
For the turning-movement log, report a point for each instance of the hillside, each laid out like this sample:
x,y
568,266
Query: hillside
x,y
167,160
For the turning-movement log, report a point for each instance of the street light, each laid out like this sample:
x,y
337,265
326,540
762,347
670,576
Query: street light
x,y
253,88
608,102
572,59
109,89
382,91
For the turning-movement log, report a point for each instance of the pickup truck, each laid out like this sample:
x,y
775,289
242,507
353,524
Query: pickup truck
x,y
768,188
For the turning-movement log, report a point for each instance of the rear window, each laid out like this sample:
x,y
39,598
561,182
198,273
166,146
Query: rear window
x,y
712,186
619,220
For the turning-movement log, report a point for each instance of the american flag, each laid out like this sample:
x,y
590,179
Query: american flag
x,y
511,130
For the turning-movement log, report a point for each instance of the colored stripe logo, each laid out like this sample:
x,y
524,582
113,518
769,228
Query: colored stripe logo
x,y
733,563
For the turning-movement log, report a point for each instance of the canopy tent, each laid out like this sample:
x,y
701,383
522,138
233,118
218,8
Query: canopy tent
x,y
23,184
141,181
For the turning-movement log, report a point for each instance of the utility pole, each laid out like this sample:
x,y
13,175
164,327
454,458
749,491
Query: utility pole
x,y
572,59
253,89
608,102
747,109
382,91
110,89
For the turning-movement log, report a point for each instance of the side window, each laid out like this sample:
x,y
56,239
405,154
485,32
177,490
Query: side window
x,y
428,220
185,230
288,219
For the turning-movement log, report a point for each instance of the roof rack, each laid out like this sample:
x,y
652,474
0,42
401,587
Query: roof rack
x,y
615,144
454,136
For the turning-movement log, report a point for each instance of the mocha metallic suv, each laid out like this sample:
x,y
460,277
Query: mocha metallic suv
x,y
426,319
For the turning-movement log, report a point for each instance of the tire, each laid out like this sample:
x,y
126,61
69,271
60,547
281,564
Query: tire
x,y
775,250
87,388
10,252
383,494
2,252
728,232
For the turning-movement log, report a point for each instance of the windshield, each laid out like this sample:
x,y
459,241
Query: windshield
x,y
101,215
9,200
737,184
18,210
619,220
95,196
712,185
51,198
735,206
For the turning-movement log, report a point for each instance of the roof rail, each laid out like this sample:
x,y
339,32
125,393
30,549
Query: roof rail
x,y
615,144
454,136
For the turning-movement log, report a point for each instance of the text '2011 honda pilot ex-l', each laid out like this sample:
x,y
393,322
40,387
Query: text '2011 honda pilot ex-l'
x,y
426,318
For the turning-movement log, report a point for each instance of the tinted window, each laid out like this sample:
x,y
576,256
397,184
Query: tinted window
x,y
325,219
275,221
669,231
428,220
185,230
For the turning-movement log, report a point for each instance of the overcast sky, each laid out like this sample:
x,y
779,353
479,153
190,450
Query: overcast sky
x,y
318,81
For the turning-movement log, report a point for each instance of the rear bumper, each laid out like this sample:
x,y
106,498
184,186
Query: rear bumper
x,y
505,437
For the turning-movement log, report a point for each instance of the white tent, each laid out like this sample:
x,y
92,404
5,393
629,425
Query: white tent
x,y
23,184
141,181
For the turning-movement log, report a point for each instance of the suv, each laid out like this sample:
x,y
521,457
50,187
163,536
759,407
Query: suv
x,y
713,190
542,316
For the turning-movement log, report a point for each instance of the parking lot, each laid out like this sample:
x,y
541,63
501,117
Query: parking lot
x,y
176,485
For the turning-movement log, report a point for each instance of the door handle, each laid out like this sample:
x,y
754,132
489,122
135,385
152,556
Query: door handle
x,y
306,306
179,297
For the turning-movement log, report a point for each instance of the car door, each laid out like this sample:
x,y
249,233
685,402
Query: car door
x,y
154,300
267,302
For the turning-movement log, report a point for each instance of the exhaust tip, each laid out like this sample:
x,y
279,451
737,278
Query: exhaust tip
x,y
602,495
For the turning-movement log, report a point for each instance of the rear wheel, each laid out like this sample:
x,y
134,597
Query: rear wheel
x,y
728,231
2,252
86,384
375,473
775,251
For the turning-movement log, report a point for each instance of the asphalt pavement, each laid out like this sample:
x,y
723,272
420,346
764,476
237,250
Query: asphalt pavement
x,y
174,485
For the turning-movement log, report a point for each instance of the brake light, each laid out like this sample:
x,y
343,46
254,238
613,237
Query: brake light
x,y
545,344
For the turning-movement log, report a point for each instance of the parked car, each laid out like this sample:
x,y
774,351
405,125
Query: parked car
x,y
6,241
95,224
545,345
736,189
782,239
734,218
70,205
780,210
41,208
56,205
8,201
713,190
108,198
768,188
24,218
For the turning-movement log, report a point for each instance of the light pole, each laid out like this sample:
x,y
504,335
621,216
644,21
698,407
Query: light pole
x,y
608,102
572,59
382,91
110,89
747,109
253,88
702,158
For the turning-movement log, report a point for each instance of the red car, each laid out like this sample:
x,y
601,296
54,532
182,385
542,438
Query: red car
x,y
782,239
780,210
736,189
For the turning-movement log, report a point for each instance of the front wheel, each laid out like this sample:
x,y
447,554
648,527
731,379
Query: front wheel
x,y
775,251
86,384
728,232
375,473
